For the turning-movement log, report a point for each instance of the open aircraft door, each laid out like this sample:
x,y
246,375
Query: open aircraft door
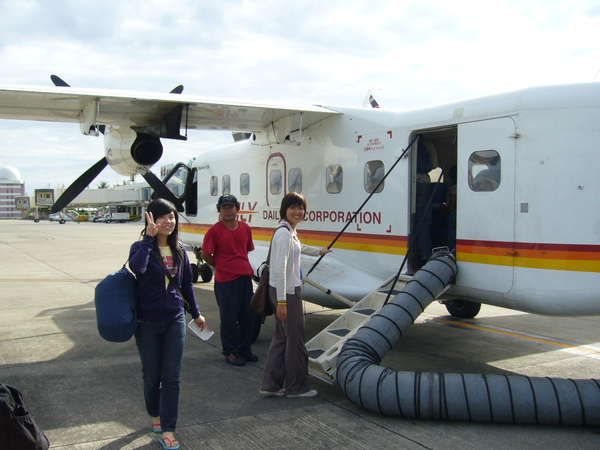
x,y
485,204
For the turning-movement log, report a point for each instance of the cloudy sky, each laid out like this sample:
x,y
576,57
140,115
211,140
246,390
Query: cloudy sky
x,y
309,51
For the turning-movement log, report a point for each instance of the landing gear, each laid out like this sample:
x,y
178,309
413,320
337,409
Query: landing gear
x,y
462,308
204,273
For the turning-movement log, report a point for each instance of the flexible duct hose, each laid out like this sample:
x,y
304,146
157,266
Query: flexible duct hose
x,y
466,397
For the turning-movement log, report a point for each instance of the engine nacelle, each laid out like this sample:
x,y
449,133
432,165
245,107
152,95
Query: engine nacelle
x,y
130,153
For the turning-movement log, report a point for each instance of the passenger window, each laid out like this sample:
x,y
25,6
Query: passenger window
x,y
275,182
484,171
226,184
245,184
334,176
295,180
374,173
214,186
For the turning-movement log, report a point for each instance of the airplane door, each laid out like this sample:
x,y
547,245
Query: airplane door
x,y
276,180
485,204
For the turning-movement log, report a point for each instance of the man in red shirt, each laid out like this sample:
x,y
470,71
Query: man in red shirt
x,y
226,246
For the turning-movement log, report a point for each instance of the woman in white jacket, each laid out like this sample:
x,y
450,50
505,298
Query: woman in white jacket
x,y
286,368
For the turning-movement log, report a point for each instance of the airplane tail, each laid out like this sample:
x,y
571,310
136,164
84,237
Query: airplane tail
x,y
373,102
370,100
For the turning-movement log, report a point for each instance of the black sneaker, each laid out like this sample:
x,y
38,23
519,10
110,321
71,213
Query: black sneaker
x,y
250,357
234,359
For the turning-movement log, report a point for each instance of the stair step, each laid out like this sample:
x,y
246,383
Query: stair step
x,y
315,353
341,332
326,345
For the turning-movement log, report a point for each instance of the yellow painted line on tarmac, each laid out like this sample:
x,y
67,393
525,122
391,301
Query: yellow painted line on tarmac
x,y
586,350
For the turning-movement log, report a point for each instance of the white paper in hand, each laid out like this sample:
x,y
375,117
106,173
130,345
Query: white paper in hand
x,y
204,334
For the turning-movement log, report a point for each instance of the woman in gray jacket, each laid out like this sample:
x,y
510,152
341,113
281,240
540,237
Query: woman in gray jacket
x,y
286,368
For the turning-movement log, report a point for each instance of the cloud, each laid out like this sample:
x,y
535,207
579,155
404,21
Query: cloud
x,y
418,52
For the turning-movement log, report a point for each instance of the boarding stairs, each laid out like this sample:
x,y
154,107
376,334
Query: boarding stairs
x,y
324,348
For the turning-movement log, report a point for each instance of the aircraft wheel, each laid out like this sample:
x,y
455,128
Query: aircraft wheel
x,y
462,308
206,273
195,272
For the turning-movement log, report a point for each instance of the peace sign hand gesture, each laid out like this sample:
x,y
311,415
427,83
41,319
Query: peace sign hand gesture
x,y
151,228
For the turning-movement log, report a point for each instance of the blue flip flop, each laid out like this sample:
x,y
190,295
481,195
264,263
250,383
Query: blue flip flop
x,y
162,441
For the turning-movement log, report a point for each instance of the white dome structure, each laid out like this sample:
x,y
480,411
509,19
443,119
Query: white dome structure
x,y
11,187
9,173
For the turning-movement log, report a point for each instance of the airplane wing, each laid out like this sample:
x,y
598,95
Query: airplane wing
x,y
138,109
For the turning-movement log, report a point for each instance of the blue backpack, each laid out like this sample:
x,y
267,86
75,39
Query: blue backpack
x,y
116,306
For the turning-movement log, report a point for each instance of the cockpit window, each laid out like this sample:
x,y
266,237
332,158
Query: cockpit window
x,y
484,171
177,181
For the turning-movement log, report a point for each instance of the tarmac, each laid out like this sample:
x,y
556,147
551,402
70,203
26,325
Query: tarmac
x,y
86,393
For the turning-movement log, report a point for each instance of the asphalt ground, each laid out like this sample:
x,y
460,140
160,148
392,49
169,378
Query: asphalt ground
x,y
86,393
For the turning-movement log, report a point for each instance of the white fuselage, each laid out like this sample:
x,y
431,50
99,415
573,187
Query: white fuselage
x,y
528,241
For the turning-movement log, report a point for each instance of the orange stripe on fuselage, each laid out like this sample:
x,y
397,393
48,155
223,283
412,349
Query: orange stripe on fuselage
x,y
372,243
571,257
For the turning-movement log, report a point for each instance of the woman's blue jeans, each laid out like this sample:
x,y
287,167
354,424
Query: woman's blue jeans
x,y
161,350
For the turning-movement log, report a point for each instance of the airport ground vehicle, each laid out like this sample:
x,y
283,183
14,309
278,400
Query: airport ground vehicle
x,y
113,217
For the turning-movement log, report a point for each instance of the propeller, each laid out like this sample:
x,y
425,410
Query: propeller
x,y
79,185
168,127
89,175
58,81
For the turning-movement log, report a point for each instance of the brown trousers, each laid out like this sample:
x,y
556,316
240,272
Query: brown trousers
x,y
287,361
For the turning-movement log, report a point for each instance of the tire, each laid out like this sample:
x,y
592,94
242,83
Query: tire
x,y
62,221
195,272
205,272
462,308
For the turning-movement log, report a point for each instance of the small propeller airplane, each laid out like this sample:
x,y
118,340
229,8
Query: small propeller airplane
x,y
508,181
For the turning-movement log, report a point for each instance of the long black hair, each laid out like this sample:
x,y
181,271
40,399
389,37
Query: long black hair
x,y
160,207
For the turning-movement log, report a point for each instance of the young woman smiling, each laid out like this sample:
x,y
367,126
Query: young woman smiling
x,y
160,334
286,368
